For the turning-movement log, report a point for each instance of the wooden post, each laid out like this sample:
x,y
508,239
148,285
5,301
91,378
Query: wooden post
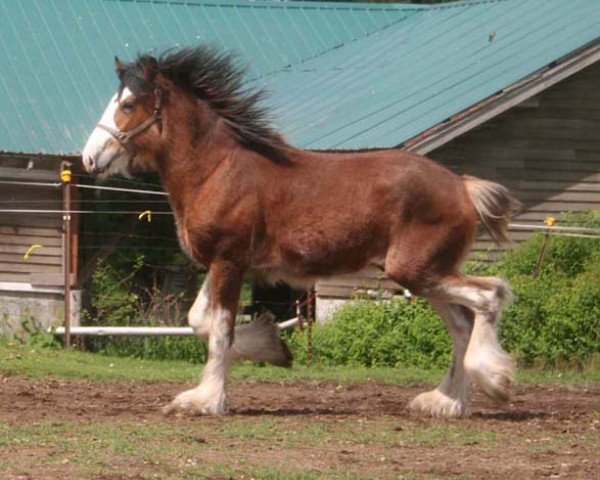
x,y
310,297
65,176
550,222
542,255
299,314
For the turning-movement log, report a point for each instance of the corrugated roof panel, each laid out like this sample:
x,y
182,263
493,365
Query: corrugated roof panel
x,y
360,69
57,55
405,79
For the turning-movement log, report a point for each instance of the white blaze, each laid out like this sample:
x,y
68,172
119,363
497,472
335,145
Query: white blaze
x,y
101,149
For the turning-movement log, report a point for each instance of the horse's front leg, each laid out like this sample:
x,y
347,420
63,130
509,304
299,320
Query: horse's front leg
x,y
219,306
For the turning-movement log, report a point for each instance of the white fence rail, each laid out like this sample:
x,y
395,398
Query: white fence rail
x,y
147,331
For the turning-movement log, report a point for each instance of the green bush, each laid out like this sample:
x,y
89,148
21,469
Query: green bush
x,y
555,317
115,303
368,333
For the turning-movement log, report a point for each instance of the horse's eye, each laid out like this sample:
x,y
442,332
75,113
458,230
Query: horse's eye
x,y
127,107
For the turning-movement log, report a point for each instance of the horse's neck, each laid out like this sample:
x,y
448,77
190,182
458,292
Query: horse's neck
x,y
198,144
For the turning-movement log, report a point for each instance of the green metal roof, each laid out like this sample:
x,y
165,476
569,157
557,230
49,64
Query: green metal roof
x,y
340,75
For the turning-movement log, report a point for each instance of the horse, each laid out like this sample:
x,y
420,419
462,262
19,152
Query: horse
x,y
246,200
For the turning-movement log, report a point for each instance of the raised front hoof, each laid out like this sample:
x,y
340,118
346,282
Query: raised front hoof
x,y
194,403
495,386
495,382
437,404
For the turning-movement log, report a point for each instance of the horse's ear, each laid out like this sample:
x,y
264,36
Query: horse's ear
x,y
150,68
119,67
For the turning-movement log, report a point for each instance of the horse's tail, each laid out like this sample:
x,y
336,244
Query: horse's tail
x,y
494,205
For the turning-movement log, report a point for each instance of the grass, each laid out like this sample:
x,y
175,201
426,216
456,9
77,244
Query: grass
x,y
38,362
245,448
176,450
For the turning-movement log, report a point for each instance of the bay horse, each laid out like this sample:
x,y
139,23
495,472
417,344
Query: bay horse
x,y
244,199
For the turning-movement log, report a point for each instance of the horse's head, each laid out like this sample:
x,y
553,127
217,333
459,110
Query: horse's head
x,y
196,88
127,136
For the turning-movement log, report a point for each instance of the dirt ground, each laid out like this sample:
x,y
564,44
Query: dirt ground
x,y
555,429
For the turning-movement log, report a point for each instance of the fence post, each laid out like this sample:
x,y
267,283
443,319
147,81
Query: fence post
x,y
550,221
65,177
310,297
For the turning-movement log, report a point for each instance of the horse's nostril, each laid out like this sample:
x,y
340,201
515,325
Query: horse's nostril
x,y
91,164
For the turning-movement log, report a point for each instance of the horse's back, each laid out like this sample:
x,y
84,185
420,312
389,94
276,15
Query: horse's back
x,y
393,181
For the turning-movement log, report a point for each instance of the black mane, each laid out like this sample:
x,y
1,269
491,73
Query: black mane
x,y
213,77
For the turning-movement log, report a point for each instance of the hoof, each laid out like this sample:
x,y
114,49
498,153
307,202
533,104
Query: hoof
x,y
259,341
495,385
194,402
494,375
437,404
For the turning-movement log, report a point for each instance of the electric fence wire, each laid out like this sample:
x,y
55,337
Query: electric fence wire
x,y
91,201
553,230
79,185
73,212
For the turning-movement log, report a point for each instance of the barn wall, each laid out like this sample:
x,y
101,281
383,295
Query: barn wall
x,y
19,231
31,289
546,150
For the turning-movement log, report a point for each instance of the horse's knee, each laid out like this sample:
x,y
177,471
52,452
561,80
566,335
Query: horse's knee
x,y
199,314
484,296
199,322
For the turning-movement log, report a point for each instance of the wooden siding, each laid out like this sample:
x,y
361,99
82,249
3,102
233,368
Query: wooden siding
x,y
546,150
18,232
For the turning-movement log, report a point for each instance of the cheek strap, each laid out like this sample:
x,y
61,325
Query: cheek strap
x,y
124,137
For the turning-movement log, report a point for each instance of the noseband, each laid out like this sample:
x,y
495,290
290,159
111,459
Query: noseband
x,y
124,137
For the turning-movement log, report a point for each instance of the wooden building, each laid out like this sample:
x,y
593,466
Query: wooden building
x,y
32,244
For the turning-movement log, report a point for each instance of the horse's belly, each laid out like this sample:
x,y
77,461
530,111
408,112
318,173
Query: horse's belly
x,y
298,266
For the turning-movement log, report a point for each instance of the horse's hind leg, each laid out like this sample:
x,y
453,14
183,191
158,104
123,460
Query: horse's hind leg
x,y
485,361
450,398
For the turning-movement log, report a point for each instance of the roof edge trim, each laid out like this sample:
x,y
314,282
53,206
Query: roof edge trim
x,y
460,3
310,5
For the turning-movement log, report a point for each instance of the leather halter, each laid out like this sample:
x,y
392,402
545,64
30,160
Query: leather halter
x,y
124,137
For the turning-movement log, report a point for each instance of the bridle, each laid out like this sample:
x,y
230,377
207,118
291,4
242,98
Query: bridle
x,y
124,137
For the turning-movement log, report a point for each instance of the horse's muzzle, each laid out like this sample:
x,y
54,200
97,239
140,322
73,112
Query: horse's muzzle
x,y
89,164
